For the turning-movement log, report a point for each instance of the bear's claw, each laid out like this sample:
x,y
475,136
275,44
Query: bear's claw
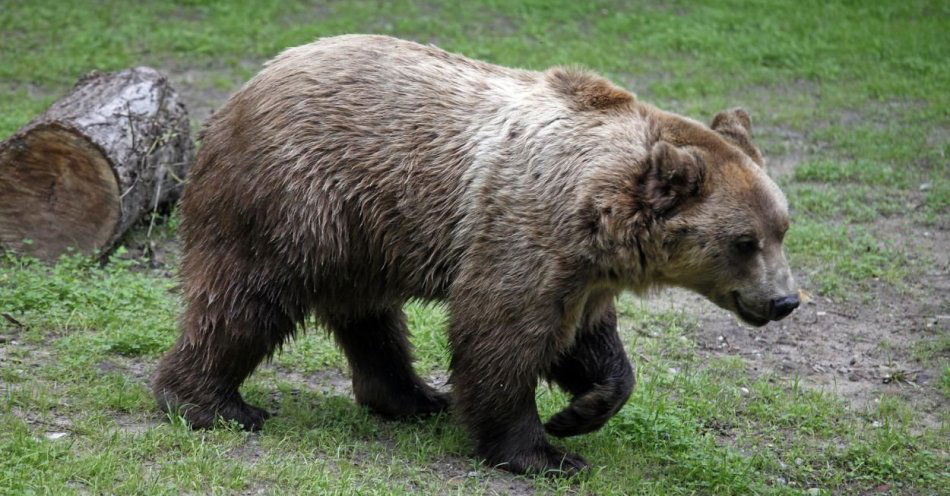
x,y
249,417
423,402
543,459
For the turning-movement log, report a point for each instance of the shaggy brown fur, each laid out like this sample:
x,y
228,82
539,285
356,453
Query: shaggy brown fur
x,y
359,172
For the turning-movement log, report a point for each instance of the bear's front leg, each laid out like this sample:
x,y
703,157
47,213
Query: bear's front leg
x,y
495,370
597,372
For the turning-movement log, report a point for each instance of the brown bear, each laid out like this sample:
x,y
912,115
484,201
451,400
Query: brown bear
x,y
358,172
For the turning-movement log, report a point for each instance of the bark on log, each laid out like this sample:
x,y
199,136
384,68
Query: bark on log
x,y
116,147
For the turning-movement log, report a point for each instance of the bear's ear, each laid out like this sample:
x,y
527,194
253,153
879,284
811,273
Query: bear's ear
x,y
736,126
587,91
675,178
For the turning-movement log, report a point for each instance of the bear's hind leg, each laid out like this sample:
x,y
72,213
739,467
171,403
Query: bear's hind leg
x,y
377,346
221,344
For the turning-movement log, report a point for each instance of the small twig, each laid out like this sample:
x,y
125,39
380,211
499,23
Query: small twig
x,y
154,144
151,222
136,181
174,176
843,314
9,318
128,115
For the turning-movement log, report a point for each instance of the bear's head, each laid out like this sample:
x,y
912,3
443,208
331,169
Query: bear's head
x,y
704,215
723,218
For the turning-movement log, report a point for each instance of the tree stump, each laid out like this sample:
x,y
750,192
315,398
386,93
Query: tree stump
x,y
117,146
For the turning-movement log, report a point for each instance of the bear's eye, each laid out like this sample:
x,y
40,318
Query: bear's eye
x,y
746,246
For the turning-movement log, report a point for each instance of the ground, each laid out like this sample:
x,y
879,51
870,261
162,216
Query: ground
x,y
850,395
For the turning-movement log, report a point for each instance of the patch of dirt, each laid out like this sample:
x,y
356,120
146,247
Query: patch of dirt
x,y
33,91
250,451
311,14
205,88
138,369
138,424
329,381
20,357
333,381
783,149
41,425
457,470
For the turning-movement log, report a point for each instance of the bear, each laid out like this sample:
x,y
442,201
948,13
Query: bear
x,y
359,172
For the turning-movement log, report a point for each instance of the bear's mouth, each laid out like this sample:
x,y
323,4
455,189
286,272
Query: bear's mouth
x,y
745,314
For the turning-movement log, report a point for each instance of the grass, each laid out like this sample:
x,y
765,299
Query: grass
x,y
691,426
837,258
863,115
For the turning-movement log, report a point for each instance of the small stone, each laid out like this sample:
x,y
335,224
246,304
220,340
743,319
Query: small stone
x,y
799,461
744,391
925,186
875,424
820,313
52,436
781,481
472,474
814,491
673,370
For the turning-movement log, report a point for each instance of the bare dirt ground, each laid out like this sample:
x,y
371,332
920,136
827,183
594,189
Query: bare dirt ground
x,y
205,88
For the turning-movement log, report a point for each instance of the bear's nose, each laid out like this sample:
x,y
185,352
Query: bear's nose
x,y
782,306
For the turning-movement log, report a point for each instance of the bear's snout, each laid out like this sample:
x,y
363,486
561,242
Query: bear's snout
x,y
782,307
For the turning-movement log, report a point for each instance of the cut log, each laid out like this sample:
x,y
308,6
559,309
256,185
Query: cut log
x,y
116,147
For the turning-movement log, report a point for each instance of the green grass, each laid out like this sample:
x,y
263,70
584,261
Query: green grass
x,y
872,173
857,92
691,426
836,255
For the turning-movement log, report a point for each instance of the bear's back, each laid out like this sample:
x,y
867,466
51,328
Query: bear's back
x,y
356,153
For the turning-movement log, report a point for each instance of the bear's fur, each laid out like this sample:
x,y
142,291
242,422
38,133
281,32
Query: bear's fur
x,y
358,172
